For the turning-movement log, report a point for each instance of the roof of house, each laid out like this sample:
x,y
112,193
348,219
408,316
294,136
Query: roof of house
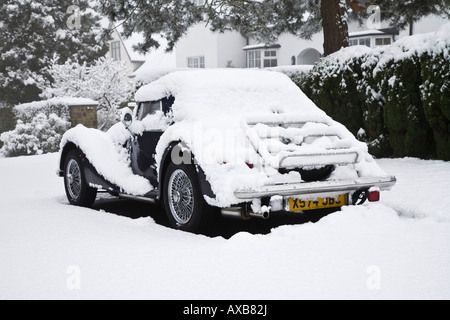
x,y
158,57
374,32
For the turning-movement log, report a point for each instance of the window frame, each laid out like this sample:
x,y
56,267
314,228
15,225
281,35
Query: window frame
x,y
384,40
115,50
140,111
196,62
353,42
364,41
258,58
271,58
254,59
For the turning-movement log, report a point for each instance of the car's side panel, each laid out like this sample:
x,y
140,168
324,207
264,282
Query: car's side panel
x,y
147,164
142,155
148,142
205,186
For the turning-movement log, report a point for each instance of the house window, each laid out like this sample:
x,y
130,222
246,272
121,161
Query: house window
x,y
382,41
196,62
270,58
254,59
262,58
353,42
115,50
364,42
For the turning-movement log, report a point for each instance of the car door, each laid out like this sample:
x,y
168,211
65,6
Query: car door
x,y
156,116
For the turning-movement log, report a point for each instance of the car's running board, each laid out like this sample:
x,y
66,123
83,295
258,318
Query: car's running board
x,y
384,183
136,198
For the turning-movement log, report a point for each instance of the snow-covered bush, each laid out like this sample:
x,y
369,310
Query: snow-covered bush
x,y
399,95
104,81
372,106
329,83
42,135
435,93
26,112
409,132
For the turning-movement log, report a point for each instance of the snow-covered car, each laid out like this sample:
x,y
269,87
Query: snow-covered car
x,y
248,142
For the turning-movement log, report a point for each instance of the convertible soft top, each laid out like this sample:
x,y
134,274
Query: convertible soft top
x,y
228,94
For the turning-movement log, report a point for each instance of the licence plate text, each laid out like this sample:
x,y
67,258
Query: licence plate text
x,y
298,204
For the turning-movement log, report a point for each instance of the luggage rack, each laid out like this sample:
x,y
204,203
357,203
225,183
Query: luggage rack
x,y
287,142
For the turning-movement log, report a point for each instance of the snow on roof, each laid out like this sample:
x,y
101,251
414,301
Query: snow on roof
x,y
366,33
261,46
229,93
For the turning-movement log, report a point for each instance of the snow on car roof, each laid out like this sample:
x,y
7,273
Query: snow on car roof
x,y
228,92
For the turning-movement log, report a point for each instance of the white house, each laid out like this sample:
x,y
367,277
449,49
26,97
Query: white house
x,y
202,48
119,51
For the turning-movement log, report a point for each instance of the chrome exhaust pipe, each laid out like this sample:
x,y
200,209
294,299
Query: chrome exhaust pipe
x,y
234,212
262,215
244,213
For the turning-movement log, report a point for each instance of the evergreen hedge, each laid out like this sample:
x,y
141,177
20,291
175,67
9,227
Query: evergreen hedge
x,y
435,95
396,98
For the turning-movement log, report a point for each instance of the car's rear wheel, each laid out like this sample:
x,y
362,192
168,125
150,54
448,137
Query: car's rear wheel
x,y
77,190
183,200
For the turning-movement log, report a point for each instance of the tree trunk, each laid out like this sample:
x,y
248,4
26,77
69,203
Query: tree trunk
x,y
335,27
411,26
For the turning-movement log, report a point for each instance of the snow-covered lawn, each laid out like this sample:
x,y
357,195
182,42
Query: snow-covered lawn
x,y
396,249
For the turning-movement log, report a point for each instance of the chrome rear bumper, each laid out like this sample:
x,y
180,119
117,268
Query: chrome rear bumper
x,y
347,185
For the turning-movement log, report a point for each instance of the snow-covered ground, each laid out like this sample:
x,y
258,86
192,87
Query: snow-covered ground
x,y
396,249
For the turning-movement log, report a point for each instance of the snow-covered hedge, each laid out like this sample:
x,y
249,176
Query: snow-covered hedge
x,y
42,135
27,111
40,126
59,106
396,97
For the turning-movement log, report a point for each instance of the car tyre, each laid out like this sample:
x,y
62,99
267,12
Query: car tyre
x,y
77,190
183,201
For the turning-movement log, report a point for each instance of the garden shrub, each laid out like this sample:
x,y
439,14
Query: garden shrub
x,y
404,117
42,135
435,94
27,111
329,84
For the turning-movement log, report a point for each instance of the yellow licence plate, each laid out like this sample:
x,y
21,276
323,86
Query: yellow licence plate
x,y
299,204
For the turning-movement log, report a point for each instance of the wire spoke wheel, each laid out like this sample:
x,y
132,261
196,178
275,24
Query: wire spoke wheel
x,y
184,202
73,177
78,191
181,196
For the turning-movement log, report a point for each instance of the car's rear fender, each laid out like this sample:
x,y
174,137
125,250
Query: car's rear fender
x,y
166,159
